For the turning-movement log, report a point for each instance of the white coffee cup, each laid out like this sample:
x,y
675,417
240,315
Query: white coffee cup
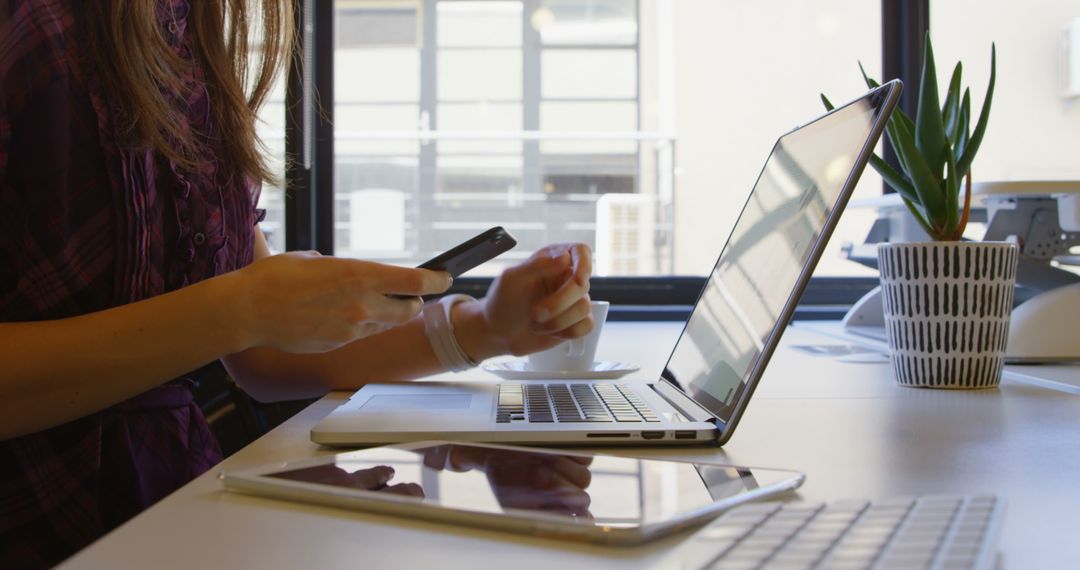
x,y
577,354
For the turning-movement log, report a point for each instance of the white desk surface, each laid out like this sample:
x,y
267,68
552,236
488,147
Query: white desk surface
x,y
847,426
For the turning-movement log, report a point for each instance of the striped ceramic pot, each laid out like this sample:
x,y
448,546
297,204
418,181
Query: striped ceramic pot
x,y
947,308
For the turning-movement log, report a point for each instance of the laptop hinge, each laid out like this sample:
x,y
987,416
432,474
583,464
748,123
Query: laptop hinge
x,y
685,404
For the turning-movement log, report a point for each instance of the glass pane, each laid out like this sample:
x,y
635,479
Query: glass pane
x,y
379,25
499,146
482,177
377,118
604,126
477,168
586,22
719,82
479,75
476,192
373,198
271,130
376,75
503,117
359,117
502,121
593,74
479,24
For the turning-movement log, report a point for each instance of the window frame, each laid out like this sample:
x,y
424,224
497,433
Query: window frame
x,y
309,131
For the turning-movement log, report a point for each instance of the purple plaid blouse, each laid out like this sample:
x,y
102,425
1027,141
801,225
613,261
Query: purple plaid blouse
x,y
87,224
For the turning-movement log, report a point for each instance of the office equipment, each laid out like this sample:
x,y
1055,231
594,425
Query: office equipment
x,y
601,370
472,252
1043,328
847,426
557,494
1044,216
743,309
939,532
578,354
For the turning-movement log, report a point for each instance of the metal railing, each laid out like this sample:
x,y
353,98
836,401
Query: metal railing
x,y
530,205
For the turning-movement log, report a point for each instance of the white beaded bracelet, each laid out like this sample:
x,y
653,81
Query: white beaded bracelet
x,y
439,329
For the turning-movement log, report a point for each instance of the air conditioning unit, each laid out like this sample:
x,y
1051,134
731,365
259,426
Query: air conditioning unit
x,y
1070,59
626,235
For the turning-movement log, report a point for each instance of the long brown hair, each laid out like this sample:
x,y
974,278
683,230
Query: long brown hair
x,y
138,68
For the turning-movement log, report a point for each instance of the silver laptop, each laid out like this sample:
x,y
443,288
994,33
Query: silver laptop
x,y
736,323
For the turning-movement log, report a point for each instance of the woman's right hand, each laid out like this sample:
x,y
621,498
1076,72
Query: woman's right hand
x,y
305,302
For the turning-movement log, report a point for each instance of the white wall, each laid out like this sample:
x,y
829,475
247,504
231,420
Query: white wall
x,y
1033,132
744,73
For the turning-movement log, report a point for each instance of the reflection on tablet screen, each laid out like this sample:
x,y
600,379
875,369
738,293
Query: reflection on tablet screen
x,y
605,490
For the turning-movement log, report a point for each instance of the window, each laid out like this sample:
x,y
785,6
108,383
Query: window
x,y
521,113
271,130
637,126
359,25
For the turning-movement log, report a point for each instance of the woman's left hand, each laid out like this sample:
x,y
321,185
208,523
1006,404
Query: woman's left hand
x,y
541,302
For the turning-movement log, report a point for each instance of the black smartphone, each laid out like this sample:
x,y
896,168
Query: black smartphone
x,y
470,253
475,251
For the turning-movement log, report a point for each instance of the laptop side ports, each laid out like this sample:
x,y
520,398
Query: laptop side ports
x,y
652,435
685,434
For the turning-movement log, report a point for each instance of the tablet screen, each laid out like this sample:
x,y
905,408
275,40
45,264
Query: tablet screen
x,y
601,490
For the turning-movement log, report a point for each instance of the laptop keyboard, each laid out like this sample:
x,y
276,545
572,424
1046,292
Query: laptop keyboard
x,y
571,403
940,532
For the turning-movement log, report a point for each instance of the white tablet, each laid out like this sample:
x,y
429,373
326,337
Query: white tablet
x,y
562,494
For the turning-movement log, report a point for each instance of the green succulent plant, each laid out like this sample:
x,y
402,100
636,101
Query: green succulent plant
x,y
935,150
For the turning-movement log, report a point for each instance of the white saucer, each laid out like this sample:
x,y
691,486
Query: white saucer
x,y
519,370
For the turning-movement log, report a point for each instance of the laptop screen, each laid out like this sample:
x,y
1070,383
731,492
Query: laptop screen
x,y
775,240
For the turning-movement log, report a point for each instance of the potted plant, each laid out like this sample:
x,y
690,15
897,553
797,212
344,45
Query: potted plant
x,y
947,301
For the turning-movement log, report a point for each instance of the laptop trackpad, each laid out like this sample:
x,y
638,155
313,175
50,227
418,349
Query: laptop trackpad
x,y
427,402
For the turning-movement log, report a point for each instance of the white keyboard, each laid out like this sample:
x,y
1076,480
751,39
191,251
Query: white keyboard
x,y
931,532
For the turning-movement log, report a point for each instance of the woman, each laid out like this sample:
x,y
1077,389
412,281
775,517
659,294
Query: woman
x,y
130,257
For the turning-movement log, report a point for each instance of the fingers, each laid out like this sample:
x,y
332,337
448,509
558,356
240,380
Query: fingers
x,y
406,489
559,493
579,311
435,457
544,265
378,479
374,478
561,472
404,281
386,295
577,330
577,257
573,471
563,298
383,309
574,286
466,458
582,263
415,282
